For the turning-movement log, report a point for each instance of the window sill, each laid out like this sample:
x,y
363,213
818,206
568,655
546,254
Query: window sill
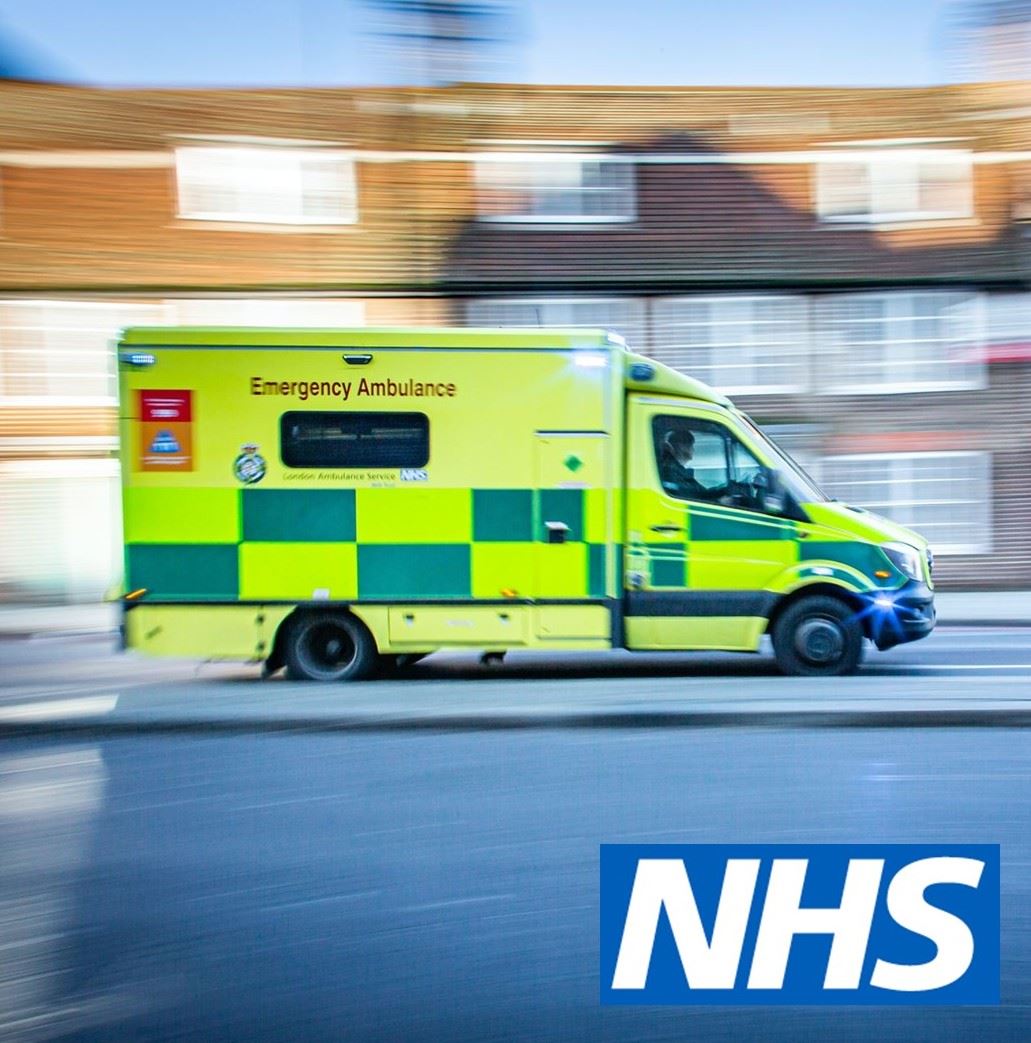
x,y
868,390
533,221
270,227
954,550
754,391
891,224
56,400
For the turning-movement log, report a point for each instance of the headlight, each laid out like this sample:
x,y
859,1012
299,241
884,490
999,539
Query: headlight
x,y
905,558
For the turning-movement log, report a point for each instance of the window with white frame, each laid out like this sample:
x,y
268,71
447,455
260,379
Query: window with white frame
x,y
554,188
741,345
900,341
266,185
1008,323
946,497
54,352
268,311
622,315
895,184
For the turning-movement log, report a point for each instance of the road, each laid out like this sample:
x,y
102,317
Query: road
x,y
399,882
965,673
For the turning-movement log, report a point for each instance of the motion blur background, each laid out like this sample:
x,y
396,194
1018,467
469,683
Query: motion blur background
x,y
851,263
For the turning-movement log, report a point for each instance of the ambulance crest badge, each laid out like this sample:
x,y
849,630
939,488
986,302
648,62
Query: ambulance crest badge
x,y
249,466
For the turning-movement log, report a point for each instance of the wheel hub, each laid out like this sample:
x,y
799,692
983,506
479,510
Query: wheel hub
x,y
820,641
330,648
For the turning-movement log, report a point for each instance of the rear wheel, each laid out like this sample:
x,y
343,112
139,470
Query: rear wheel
x,y
818,636
328,647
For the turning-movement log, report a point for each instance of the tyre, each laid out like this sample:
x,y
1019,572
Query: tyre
x,y
818,636
327,647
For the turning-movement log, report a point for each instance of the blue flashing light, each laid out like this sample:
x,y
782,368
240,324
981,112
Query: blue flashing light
x,y
138,358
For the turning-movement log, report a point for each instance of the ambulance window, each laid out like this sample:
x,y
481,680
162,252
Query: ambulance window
x,y
315,439
691,455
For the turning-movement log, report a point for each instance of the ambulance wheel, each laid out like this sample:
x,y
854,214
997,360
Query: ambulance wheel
x,y
818,636
326,647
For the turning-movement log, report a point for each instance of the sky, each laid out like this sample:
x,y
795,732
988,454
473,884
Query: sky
x,y
331,43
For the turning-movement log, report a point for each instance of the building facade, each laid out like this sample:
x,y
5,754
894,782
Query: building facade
x,y
853,266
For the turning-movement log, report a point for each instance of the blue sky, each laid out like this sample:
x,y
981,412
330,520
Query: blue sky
x,y
327,42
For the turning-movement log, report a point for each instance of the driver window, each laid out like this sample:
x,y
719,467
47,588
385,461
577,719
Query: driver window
x,y
692,458
702,460
743,466
748,475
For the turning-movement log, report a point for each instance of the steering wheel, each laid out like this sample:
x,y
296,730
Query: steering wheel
x,y
750,486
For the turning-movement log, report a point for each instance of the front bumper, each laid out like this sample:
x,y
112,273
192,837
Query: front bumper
x,y
893,617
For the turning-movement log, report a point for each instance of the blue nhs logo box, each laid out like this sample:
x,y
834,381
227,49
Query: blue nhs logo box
x,y
799,924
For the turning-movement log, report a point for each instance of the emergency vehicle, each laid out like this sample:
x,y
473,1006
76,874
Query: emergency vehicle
x,y
338,501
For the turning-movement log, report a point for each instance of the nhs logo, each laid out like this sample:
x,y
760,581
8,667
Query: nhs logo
x,y
799,924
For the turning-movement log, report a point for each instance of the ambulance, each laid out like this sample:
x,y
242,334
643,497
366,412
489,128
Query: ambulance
x,y
341,502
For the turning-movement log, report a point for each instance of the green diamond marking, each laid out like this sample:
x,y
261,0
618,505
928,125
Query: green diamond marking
x,y
573,463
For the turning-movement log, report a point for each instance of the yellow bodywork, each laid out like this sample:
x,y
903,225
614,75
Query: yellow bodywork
x,y
532,518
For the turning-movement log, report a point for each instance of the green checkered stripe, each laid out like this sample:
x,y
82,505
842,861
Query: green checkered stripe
x,y
732,551
367,544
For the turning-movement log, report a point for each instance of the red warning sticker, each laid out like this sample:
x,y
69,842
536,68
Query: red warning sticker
x,y
166,431
176,406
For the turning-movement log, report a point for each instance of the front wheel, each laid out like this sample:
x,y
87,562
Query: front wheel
x,y
818,636
327,647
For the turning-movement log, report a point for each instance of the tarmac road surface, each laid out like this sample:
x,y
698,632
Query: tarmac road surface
x,y
172,867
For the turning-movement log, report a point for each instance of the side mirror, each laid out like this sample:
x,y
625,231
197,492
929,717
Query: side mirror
x,y
771,494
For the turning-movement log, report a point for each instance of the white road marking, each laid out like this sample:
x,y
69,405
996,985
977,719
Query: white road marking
x,y
48,761
29,691
960,666
978,777
58,709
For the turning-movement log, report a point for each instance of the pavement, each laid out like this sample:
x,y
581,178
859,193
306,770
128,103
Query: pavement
x,y
28,620
976,608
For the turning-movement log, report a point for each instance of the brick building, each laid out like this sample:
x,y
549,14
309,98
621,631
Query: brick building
x,y
854,266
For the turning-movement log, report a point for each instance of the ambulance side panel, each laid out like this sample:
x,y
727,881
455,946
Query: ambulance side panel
x,y
504,536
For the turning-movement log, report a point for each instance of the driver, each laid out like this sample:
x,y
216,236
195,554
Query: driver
x,y
675,470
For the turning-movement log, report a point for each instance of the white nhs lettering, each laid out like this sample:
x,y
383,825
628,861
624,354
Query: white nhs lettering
x,y
712,963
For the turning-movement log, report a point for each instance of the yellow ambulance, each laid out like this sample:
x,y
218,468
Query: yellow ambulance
x,y
340,501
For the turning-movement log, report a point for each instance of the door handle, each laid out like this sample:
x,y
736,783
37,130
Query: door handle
x,y
667,529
